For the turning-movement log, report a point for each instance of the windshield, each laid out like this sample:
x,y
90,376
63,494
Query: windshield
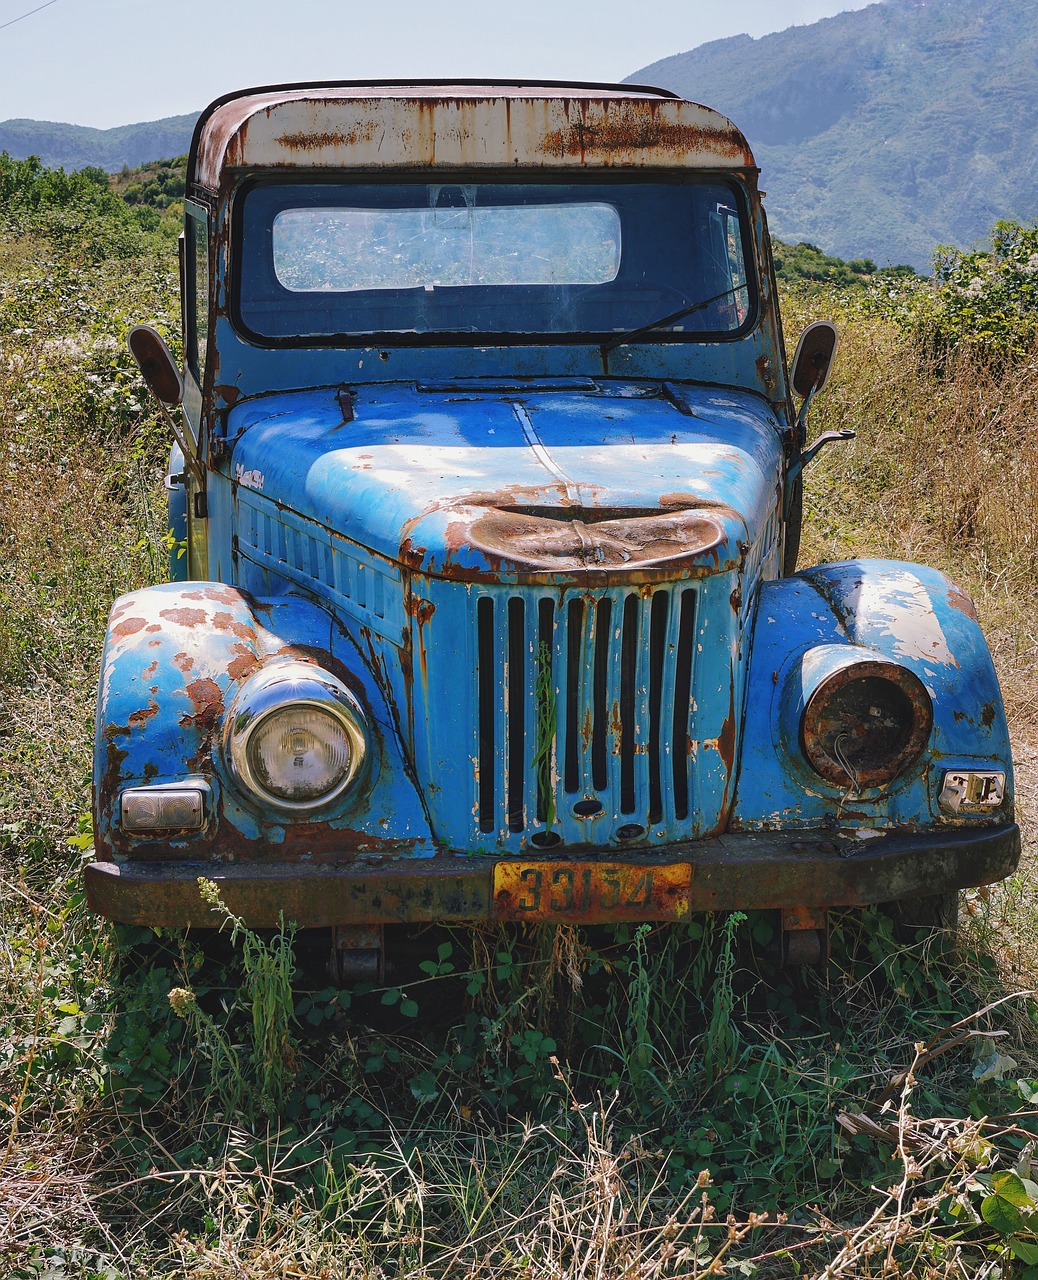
x,y
505,260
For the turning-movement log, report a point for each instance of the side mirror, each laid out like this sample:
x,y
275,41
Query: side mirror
x,y
156,365
167,386
812,365
814,357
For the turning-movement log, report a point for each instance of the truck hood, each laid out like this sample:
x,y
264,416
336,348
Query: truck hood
x,y
511,483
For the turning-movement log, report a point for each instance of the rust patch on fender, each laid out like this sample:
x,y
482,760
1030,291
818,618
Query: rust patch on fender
x,y
128,627
183,662
244,664
185,617
207,700
223,621
217,594
140,718
114,757
958,599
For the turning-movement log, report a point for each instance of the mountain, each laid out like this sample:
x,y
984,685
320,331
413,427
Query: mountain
x,y
73,146
883,132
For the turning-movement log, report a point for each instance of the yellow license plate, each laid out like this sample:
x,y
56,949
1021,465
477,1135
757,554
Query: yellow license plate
x,y
591,892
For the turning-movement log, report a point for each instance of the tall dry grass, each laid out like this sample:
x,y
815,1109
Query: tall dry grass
x,y
944,470
80,514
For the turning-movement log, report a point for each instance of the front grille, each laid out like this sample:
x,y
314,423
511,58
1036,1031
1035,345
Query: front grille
x,y
583,708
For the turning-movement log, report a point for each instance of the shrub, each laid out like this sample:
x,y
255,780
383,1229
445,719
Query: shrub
x,y
982,299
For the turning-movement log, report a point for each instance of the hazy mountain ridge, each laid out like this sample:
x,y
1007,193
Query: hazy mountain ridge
x,y
880,132
884,131
74,146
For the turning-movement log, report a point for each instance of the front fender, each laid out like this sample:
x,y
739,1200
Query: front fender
x,y
174,657
823,617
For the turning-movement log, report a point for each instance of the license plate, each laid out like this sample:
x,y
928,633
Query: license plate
x,y
592,892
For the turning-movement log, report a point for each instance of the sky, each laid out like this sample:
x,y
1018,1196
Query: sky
x,y
110,62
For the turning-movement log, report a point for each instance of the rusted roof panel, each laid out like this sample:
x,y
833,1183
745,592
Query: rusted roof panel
x,y
462,126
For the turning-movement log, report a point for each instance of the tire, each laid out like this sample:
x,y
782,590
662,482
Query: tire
x,y
935,912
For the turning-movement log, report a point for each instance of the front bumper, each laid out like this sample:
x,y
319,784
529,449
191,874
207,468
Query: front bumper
x,y
778,870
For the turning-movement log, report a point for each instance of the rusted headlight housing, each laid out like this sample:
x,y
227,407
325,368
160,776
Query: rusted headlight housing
x,y
866,722
295,737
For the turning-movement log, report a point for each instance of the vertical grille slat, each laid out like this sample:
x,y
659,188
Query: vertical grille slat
x,y
600,697
486,693
658,611
628,687
516,722
545,713
680,742
574,681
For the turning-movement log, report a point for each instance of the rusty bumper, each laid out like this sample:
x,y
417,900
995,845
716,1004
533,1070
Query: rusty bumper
x,y
733,872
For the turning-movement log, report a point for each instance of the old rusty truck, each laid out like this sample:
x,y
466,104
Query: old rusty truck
x,y
489,475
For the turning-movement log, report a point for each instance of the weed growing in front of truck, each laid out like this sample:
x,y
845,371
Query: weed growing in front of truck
x,y
720,1040
267,966
544,733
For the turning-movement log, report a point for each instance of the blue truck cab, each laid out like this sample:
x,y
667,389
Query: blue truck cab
x,y
490,479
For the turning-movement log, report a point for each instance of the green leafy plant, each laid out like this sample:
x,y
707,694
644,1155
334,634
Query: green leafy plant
x,y
544,732
267,968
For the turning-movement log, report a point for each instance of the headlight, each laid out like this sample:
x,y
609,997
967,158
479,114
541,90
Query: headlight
x,y
865,722
295,736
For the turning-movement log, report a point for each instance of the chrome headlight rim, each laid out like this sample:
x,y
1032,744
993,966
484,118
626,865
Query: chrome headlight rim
x,y
279,687
823,753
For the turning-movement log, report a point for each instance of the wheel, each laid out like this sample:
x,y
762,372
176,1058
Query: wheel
x,y
937,912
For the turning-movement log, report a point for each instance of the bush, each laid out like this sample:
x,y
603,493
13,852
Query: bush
x,y
78,213
982,299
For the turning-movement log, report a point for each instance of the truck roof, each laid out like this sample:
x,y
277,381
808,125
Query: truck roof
x,y
459,124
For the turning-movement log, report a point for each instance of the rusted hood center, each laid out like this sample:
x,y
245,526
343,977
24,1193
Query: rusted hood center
x,y
562,540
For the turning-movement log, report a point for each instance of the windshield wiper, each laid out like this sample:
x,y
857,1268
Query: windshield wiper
x,y
663,321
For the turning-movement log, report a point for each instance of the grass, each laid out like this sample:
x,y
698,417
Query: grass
x,y
649,1103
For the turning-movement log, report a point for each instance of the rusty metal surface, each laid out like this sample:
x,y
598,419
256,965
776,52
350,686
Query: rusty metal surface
x,y
175,658
865,722
466,127
858,616
768,870
571,540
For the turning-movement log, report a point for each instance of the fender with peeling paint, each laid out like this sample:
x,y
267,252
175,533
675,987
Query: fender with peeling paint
x,y
806,627
174,658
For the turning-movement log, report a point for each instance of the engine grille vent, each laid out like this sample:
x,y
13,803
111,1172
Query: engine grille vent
x,y
585,707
